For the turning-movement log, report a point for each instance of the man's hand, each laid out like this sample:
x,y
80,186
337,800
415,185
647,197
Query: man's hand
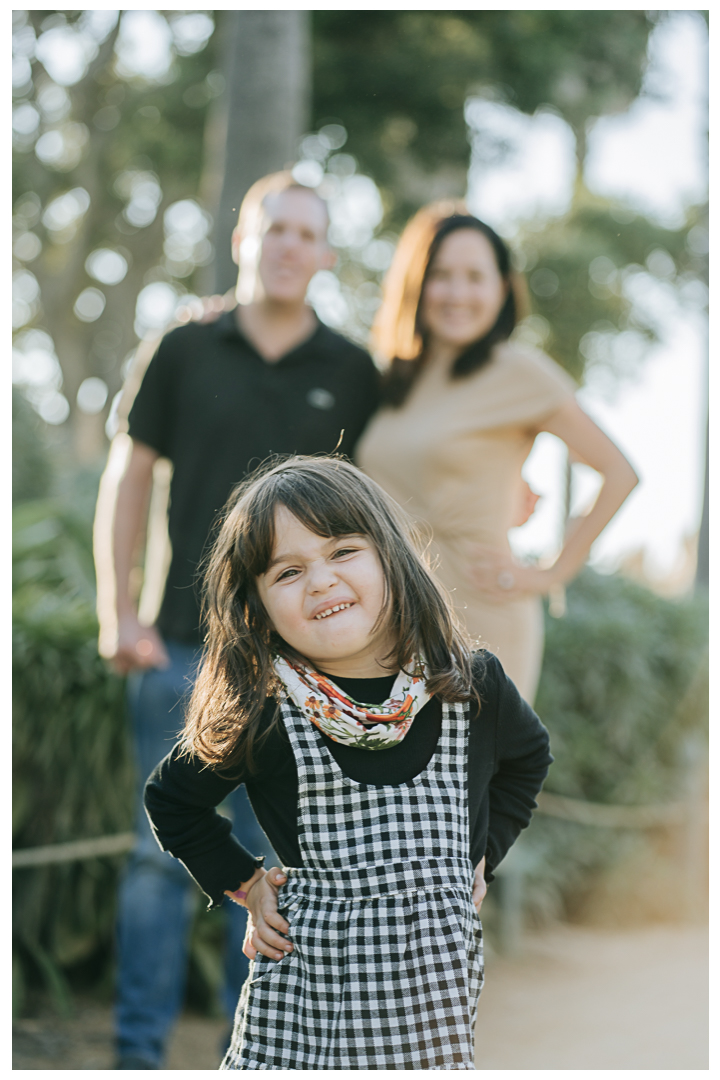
x,y
264,921
137,647
480,886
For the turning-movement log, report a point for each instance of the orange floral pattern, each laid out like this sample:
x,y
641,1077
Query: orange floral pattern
x,y
370,727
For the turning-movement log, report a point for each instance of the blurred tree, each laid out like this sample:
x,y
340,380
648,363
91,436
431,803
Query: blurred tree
x,y
258,122
110,161
698,240
399,80
590,275
101,154
31,470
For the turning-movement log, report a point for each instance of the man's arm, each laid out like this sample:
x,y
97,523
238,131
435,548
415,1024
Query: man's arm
x,y
120,518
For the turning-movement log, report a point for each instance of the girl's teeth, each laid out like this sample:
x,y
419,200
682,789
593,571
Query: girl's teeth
x,y
331,611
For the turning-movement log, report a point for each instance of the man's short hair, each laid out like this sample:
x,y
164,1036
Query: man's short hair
x,y
251,208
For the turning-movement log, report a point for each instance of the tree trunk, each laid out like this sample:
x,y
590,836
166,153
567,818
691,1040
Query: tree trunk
x,y
702,573
265,109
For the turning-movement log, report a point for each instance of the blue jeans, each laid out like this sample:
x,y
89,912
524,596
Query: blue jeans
x,y
157,896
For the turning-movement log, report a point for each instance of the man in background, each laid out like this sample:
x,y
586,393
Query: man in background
x,y
215,400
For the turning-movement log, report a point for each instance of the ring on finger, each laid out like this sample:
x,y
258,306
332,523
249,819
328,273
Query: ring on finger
x,y
506,579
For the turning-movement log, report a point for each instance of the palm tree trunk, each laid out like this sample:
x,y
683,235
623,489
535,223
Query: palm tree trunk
x,y
263,112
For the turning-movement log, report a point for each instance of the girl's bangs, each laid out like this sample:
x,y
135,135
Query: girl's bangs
x,y
326,508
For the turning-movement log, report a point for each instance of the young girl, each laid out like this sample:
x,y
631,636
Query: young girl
x,y
389,766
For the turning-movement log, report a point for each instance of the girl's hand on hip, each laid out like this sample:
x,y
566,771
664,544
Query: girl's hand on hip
x,y
500,578
480,886
265,924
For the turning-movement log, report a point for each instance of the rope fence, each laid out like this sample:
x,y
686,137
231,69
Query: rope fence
x,y
611,817
551,805
73,851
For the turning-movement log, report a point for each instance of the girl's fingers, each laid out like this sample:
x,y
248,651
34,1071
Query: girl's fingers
x,y
260,947
265,938
275,919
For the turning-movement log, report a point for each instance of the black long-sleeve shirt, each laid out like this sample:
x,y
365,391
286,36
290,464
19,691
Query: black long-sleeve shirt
x,y
508,760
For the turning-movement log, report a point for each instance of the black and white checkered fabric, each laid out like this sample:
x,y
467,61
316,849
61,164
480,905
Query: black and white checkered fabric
x,y
387,966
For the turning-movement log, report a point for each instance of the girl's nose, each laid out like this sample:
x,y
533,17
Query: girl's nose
x,y
321,576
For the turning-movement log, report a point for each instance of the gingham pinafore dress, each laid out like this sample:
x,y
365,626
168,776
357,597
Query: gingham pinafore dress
x,y
387,965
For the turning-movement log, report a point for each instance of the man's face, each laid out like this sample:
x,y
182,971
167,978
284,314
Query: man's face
x,y
293,244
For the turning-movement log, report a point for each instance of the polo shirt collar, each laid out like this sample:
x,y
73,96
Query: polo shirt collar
x,y
227,329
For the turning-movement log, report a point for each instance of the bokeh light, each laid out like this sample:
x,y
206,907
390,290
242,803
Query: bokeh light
x,y
92,395
143,45
89,305
155,308
106,265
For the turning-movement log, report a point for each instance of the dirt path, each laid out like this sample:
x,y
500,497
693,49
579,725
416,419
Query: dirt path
x,y
580,998
575,998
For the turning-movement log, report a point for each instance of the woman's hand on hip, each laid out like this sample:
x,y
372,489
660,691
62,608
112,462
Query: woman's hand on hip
x,y
499,577
265,924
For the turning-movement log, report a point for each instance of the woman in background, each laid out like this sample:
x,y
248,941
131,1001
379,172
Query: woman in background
x,y
463,406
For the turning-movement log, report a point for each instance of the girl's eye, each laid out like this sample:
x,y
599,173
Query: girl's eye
x,y
286,574
344,551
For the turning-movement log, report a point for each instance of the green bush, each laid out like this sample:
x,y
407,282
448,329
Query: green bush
x,y
72,774
31,472
616,668
623,689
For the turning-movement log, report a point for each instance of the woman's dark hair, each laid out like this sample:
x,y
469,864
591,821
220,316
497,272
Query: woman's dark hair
x,y
398,332
330,497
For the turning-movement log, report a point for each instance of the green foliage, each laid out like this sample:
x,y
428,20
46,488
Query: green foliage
x,y
31,474
586,299
398,81
623,687
72,773
615,671
73,776
130,128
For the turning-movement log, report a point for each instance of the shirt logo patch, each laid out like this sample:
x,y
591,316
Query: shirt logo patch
x,y
320,398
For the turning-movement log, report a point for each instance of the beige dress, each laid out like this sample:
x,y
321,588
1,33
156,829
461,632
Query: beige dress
x,y
451,455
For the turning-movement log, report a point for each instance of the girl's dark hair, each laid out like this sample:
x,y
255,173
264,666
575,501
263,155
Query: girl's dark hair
x,y
330,497
398,332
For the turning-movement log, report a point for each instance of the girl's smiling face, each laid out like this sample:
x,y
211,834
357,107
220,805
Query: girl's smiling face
x,y
324,596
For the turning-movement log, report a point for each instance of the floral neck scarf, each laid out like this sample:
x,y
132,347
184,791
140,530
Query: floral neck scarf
x,y
370,727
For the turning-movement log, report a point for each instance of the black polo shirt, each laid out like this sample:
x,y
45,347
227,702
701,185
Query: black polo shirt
x,y
212,405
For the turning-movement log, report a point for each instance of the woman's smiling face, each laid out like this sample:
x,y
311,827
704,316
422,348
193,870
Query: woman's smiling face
x,y
464,290
324,596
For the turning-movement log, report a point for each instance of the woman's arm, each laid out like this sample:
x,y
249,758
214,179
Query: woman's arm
x,y
502,577
592,447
